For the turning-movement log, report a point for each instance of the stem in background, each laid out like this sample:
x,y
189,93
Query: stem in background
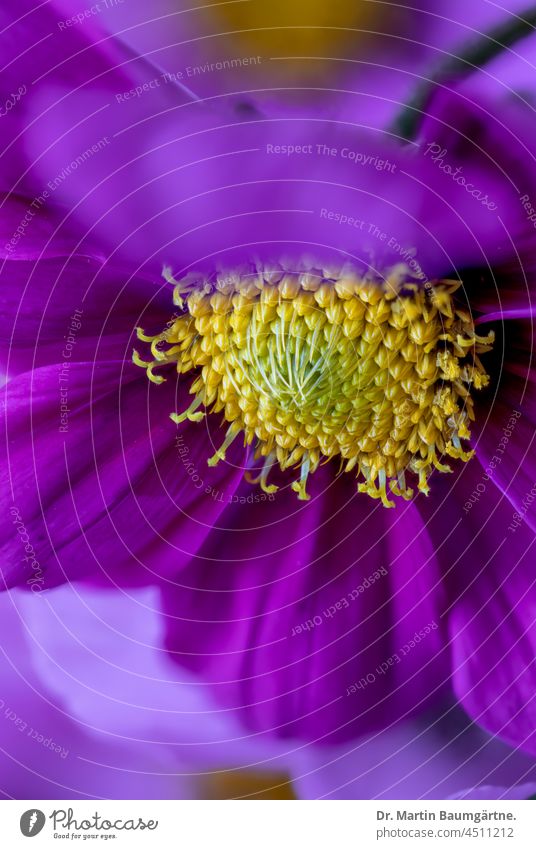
x,y
474,55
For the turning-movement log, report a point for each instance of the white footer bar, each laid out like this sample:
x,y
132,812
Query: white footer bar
x,y
269,824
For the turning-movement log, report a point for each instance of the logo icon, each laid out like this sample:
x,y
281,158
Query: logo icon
x,y
32,822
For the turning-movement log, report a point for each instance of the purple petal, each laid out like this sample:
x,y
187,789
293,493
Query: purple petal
x,y
184,181
505,431
510,75
168,193
483,146
95,481
101,651
504,292
46,752
28,231
486,558
40,51
56,310
431,757
491,791
320,622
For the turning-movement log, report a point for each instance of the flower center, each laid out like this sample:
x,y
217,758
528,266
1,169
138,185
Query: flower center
x,y
375,372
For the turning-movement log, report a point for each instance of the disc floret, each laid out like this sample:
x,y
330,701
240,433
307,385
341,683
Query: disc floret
x,y
376,373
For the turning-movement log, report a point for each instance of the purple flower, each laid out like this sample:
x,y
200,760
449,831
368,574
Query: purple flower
x,y
48,750
354,307
92,707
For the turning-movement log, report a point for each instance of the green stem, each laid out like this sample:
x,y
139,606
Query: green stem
x,y
475,55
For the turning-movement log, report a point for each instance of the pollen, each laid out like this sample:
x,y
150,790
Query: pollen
x,y
372,372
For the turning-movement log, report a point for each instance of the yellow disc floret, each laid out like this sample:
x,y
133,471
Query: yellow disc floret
x,y
315,365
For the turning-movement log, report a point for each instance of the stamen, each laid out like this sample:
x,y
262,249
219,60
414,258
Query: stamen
x,y
157,352
459,452
399,487
189,413
143,338
382,489
137,360
232,433
315,365
154,378
263,477
148,366
423,482
376,491
299,486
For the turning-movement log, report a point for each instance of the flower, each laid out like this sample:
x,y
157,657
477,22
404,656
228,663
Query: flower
x,y
324,616
435,756
92,707
47,750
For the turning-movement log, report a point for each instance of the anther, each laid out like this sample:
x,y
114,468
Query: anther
x,y
314,365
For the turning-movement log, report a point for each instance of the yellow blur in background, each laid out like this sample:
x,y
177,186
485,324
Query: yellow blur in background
x,y
294,34
245,784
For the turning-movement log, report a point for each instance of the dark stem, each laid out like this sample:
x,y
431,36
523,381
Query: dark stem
x,y
475,55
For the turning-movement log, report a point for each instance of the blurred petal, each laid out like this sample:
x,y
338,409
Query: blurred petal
x,y
29,232
520,791
101,651
46,752
482,148
39,50
183,181
431,757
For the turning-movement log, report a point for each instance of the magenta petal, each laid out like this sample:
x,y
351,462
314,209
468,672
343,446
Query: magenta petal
x,y
301,616
66,308
494,642
99,489
482,146
505,428
30,231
